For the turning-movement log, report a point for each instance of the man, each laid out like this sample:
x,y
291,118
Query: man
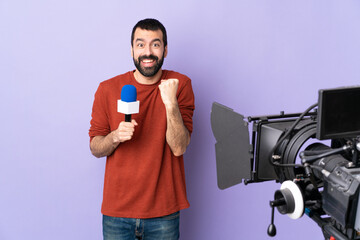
x,y
144,186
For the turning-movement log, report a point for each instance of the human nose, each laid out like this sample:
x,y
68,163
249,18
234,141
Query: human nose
x,y
147,50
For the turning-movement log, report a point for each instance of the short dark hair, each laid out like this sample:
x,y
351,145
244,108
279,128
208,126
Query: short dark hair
x,y
150,24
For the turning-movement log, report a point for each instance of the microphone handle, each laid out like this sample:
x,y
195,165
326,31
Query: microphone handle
x,y
127,117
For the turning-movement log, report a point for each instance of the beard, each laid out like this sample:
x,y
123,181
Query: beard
x,y
149,71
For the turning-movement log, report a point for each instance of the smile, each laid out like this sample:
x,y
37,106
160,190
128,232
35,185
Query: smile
x,y
147,60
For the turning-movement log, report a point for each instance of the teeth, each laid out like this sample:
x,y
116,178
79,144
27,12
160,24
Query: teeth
x,y
147,60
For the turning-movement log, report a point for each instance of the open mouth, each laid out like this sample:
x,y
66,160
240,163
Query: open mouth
x,y
148,61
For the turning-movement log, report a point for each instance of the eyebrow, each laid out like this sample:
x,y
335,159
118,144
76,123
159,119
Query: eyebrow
x,y
142,40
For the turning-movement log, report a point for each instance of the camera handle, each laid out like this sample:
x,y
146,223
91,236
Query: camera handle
x,y
272,229
285,203
288,200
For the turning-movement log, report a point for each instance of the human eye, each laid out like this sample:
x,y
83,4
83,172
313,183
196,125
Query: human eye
x,y
157,45
140,45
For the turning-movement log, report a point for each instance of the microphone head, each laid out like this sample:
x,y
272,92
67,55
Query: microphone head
x,y
128,93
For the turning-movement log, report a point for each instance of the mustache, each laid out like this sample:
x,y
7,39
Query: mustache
x,y
153,57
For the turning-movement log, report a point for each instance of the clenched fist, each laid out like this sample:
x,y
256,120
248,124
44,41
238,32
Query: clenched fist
x,y
168,89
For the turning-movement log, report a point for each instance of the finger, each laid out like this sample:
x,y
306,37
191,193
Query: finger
x,y
126,134
133,121
127,124
125,138
126,129
130,125
174,80
162,84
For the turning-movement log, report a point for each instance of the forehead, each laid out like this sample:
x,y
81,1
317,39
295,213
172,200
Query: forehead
x,y
147,35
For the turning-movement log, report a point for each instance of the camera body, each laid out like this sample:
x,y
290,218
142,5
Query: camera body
x,y
317,178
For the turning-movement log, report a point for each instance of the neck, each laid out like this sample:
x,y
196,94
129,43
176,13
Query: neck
x,y
147,80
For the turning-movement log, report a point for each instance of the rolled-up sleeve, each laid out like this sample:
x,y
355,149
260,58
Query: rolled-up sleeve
x,y
186,101
99,124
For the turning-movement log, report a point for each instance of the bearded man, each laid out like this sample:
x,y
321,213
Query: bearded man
x,y
144,185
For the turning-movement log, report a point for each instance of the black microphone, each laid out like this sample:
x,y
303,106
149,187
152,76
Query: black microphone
x,y
128,104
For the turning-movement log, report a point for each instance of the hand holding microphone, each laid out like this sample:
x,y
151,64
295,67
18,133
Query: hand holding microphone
x,y
127,105
125,131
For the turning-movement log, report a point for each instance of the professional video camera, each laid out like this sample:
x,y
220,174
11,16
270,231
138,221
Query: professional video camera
x,y
320,179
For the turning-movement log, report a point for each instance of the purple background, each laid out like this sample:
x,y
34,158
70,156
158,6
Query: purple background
x,y
256,56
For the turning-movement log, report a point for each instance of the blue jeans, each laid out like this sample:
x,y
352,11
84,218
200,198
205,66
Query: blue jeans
x,y
161,228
